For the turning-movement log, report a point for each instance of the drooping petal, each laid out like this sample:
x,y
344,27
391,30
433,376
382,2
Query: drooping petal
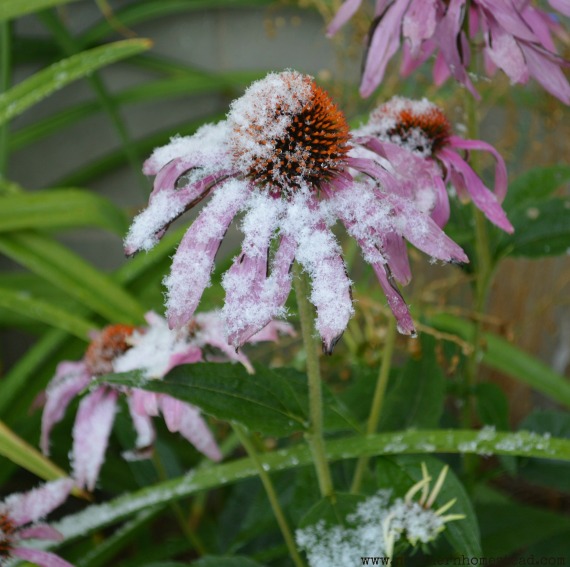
x,y
345,12
91,432
70,378
271,332
509,17
449,35
40,531
546,69
396,302
167,203
171,412
142,424
420,22
40,557
31,506
143,402
195,429
384,42
504,51
394,248
440,70
563,6
319,254
247,308
484,199
194,259
501,182
540,23
190,355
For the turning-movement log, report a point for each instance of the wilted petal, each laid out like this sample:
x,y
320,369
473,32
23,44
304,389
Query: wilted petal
x,y
91,434
541,24
40,531
143,402
39,557
271,332
194,259
509,17
504,51
384,42
142,424
440,70
545,68
396,302
420,22
70,378
411,61
33,505
194,429
501,182
484,199
345,12
396,254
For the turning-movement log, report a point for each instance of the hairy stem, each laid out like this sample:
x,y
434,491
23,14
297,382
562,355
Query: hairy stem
x,y
377,400
312,348
271,495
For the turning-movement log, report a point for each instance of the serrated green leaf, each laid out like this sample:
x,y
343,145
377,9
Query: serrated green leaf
x,y
416,399
507,358
57,264
536,184
463,535
39,310
264,401
541,229
10,9
33,89
60,208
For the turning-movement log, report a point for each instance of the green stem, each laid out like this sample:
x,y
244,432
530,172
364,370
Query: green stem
x,y
177,510
4,86
377,400
271,495
71,47
312,347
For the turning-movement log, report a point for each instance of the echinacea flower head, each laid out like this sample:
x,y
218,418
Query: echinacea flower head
x,y
19,514
516,38
282,160
421,128
153,350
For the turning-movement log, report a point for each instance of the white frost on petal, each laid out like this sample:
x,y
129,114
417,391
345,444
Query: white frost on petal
x,y
26,507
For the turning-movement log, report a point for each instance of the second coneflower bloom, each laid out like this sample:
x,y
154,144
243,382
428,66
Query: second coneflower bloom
x,y
282,160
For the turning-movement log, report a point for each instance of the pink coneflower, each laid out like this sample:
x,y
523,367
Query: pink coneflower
x,y
421,128
17,510
154,350
282,158
517,39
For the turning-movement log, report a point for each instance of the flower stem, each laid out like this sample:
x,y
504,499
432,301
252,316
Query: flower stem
x,y
377,400
271,495
312,347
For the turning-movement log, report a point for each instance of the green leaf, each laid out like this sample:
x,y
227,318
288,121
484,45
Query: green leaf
x,y
54,262
332,513
61,208
416,399
265,401
536,184
98,516
10,9
463,535
507,358
23,454
39,310
508,528
33,89
492,405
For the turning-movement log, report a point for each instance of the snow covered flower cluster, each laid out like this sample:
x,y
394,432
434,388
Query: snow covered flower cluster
x,y
517,39
153,350
416,139
378,524
19,514
283,159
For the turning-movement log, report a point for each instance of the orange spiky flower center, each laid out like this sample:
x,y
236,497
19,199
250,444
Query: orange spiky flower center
x,y
421,127
7,530
308,150
108,345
